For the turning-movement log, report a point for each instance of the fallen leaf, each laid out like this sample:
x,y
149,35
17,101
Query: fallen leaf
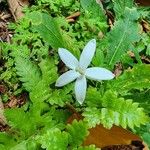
x,y
16,7
114,138
2,117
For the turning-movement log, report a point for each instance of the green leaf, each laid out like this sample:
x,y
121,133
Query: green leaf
x,y
29,73
78,131
144,132
94,8
92,116
115,110
54,139
6,141
41,92
20,121
49,70
122,36
120,6
90,147
136,78
60,96
47,27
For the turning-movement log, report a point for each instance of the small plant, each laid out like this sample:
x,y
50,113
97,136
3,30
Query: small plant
x,y
31,66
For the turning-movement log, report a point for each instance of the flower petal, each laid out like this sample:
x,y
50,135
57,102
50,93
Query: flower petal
x,y
80,89
69,59
97,73
66,78
87,54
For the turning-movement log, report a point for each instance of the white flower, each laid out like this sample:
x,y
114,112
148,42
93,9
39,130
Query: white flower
x,y
79,70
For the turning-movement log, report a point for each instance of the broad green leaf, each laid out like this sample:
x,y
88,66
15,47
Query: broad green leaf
x,y
120,5
48,28
95,9
122,36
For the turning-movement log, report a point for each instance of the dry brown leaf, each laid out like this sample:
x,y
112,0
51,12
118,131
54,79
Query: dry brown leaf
x,y
146,26
73,16
143,2
16,7
2,117
103,137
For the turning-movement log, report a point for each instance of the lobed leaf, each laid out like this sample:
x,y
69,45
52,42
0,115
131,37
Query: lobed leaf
x,y
48,29
123,35
54,139
78,131
29,73
136,78
120,6
115,110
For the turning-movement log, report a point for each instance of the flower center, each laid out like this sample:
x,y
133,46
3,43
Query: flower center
x,y
80,70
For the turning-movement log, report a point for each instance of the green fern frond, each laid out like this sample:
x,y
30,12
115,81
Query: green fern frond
x,y
116,111
49,70
6,141
41,92
125,112
78,131
20,121
60,96
136,78
29,73
54,139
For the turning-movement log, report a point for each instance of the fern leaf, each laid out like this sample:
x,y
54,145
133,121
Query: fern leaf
x,y
6,141
41,92
136,78
29,73
122,36
78,131
49,70
116,111
60,96
20,121
54,139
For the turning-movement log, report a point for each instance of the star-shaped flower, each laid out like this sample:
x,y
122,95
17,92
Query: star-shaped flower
x,y
79,70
